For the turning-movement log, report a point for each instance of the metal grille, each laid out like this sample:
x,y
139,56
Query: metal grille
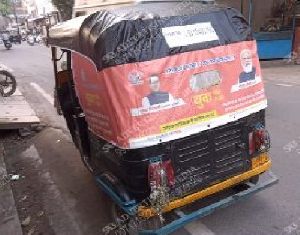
x,y
209,157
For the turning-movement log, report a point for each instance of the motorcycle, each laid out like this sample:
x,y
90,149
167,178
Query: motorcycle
x,y
39,39
8,83
7,44
24,37
30,40
16,39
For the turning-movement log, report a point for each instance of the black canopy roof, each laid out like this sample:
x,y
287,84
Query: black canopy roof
x,y
134,33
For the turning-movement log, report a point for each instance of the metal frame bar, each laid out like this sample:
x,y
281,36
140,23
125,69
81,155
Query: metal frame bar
x,y
250,13
54,59
129,207
242,6
294,25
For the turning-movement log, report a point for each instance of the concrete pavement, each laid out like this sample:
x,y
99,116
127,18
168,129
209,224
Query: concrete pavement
x,y
9,219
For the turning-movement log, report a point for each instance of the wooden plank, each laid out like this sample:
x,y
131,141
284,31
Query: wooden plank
x,y
22,119
16,98
18,122
13,100
17,93
15,112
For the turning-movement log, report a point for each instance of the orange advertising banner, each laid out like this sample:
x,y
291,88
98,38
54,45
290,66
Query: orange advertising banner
x,y
142,104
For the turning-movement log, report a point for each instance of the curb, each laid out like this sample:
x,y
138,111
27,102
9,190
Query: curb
x,y
9,219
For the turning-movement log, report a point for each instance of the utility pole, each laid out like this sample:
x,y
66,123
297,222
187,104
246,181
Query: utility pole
x,y
242,6
15,14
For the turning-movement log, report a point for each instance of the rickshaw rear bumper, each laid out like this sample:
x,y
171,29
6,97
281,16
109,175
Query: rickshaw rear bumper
x,y
260,164
184,219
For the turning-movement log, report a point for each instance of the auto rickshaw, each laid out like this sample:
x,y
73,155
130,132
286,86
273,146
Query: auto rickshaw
x,y
15,36
166,107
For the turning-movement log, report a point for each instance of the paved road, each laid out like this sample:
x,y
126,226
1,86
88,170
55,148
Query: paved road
x,y
74,205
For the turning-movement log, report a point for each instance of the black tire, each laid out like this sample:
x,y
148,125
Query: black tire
x,y
243,185
254,179
7,46
12,84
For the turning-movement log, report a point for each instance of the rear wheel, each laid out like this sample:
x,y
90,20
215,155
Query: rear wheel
x,y
8,84
131,225
243,185
254,179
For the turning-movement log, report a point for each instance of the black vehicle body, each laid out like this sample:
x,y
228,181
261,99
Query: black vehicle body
x,y
210,157
17,38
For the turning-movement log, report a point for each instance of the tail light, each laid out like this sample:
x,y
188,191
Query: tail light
x,y
161,174
259,140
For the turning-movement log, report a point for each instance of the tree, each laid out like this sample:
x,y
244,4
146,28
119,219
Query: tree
x,y
64,7
5,7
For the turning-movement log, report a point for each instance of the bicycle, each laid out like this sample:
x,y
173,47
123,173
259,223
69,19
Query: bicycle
x,y
8,83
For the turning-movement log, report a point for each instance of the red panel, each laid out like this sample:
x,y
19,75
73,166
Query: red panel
x,y
142,104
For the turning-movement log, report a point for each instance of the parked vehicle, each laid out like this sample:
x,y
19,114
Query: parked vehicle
x,y
23,34
168,114
8,82
14,35
24,37
39,39
7,43
15,38
30,40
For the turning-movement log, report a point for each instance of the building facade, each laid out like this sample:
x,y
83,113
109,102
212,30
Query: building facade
x,y
261,9
84,7
4,22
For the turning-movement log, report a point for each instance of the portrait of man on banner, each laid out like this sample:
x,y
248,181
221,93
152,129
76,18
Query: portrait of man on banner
x,y
249,70
249,76
156,96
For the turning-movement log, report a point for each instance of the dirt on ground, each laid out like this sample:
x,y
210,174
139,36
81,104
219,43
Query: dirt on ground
x,y
27,188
